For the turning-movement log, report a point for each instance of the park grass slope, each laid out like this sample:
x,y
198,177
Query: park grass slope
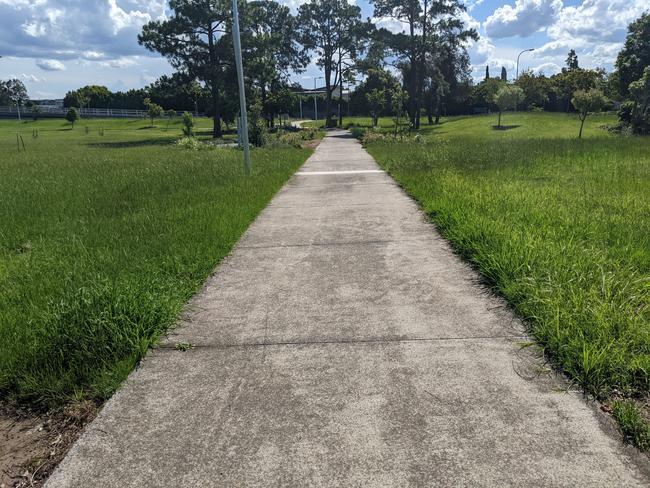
x,y
560,227
103,239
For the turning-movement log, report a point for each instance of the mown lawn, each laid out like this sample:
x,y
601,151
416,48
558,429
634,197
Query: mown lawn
x,y
559,226
103,238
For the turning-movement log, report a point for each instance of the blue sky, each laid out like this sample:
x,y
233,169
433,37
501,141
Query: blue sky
x,y
58,45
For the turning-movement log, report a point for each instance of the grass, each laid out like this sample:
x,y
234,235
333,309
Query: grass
x,y
104,238
559,226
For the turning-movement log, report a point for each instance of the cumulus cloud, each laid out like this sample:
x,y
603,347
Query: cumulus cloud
x,y
50,65
73,29
597,20
547,69
524,19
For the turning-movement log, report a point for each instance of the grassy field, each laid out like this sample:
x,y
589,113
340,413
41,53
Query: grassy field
x,y
559,226
104,238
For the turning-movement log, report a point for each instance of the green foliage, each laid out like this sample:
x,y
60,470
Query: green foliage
x,y
98,258
483,94
188,124
377,100
635,114
153,109
558,226
507,97
572,60
399,98
334,30
587,101
257,131
36,110
13,92
633,59
72,116
537,89
634,426
89,96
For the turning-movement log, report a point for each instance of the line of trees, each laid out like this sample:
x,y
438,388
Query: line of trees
x,y
426,65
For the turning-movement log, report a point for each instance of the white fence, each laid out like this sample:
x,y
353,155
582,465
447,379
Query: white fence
x,y
46,111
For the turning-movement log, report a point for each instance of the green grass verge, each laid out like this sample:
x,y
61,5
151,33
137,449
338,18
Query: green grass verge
x,y
104,238
559,226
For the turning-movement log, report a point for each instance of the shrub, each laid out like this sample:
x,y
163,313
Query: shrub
x,y
188,124
257,131
72,116
370,136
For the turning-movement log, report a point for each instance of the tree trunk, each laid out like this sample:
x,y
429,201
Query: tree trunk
x,y
216,110
214,88
582,123
499,123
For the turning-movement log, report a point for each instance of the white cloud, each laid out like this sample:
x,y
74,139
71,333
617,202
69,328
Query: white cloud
x,y
50,65
32,78
70,29
118,63
547,69
524,19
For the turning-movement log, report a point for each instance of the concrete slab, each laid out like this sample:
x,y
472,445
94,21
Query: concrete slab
x,y
344,344
384,414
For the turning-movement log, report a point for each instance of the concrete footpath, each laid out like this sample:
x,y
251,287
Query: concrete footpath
x,y
344,344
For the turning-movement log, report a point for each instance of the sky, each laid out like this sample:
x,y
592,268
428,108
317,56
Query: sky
x,y
55,46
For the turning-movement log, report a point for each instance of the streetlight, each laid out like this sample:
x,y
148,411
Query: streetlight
x,y
315,103
242,93
522,52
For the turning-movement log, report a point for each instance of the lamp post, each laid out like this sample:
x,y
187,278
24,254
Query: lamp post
x,y
522,52
242,93
315,103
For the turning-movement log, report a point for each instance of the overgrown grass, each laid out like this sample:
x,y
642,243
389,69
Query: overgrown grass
x,y
559,226
104,238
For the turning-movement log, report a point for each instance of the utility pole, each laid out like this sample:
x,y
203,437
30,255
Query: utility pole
x,y
242,93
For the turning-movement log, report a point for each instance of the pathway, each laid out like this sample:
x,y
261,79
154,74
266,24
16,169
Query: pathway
x,y
343,344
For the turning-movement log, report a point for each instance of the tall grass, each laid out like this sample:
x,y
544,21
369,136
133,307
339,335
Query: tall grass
x,y
102,241
560,227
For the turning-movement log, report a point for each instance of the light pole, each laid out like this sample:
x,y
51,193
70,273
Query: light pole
x,y
315,103
522,52
242,93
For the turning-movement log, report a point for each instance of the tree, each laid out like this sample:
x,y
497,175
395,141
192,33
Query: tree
x,y
571,80
376,79
196,39
171,114
72,116
504,74
537,89
506,98
188,124
334,30
572,60
635,114
635,55
483,94
426,22
36,110
586,101
377,100
13,92
271,34
153,109
487,72
399,99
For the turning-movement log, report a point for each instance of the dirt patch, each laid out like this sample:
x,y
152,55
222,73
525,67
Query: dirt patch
x,y
313,144
32,444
